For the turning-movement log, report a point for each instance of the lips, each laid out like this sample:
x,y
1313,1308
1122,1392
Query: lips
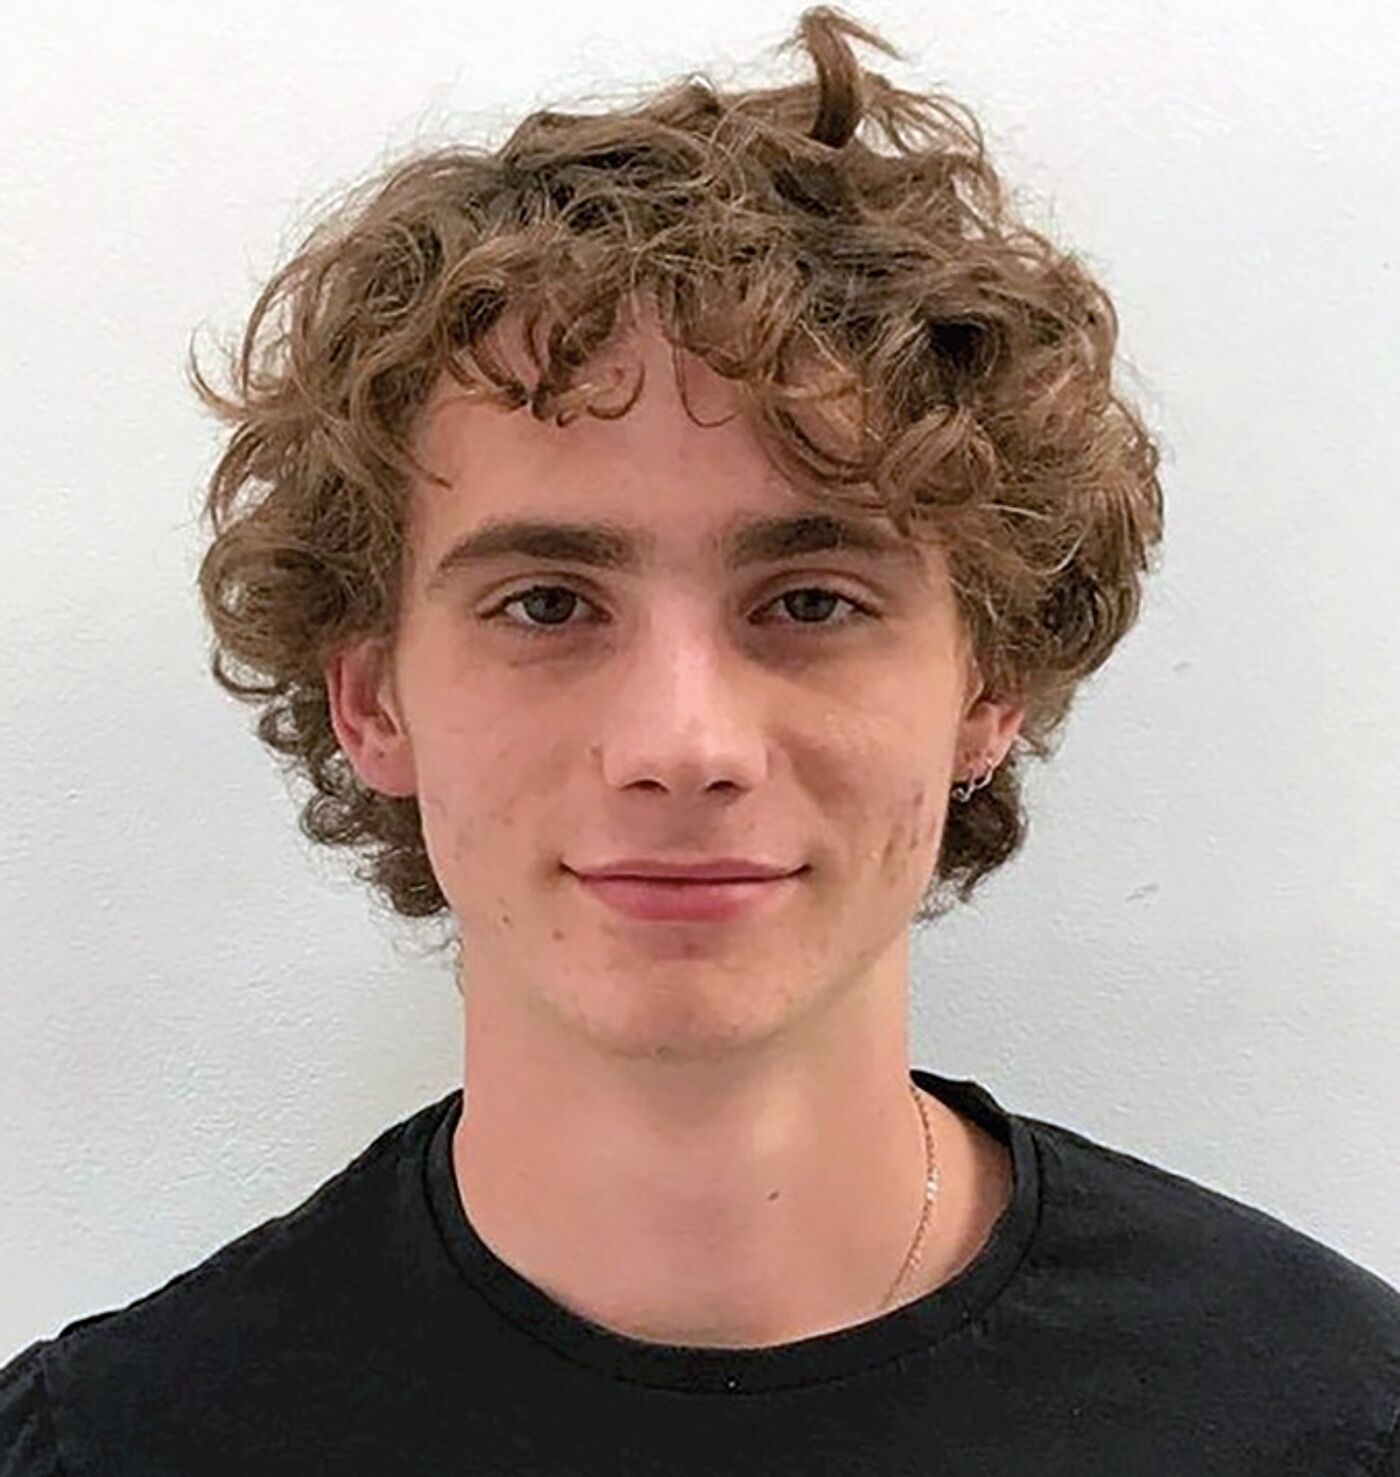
x,y
688,900
716,869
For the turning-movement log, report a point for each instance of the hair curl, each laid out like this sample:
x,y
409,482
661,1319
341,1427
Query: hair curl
x,y
770,230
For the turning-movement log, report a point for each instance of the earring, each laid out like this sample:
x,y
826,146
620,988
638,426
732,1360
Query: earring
x,y
968,789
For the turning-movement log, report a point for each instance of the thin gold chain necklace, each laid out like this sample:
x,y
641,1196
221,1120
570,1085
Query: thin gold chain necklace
x,y
930,1195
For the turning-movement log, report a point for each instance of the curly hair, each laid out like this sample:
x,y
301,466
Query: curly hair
x,y
843,221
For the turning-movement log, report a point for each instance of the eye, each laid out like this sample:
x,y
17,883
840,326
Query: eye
x,y
532,597
542,607
823,595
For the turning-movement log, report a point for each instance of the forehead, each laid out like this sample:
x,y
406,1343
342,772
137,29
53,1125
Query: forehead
x,y
683,468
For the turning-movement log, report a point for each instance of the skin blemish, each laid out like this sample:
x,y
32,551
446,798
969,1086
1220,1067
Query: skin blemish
x,y
913,828
921,834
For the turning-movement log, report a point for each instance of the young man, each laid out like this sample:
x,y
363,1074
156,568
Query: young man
x,y
679,731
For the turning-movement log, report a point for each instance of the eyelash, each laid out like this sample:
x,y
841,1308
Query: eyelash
x,y
860,611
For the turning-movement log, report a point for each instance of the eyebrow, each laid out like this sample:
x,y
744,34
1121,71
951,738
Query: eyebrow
x,y
613,546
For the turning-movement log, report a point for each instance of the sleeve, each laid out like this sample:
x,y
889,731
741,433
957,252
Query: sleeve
x,y
26,1432
1390,1462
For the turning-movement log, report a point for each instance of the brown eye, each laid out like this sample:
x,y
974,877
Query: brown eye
x,y
545,603
548,608
813,608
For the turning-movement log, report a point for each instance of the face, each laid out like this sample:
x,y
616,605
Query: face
x,y
808,709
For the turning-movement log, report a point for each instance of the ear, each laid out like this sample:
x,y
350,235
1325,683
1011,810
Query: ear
x,y
988,728
364,713
987,731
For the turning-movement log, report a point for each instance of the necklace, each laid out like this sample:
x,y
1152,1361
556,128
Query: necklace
x,y
930,1194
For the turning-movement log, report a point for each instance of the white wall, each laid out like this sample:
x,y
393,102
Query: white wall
x,y
1195,956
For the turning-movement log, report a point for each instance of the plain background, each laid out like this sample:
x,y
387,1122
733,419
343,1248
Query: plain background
x,y
1195,956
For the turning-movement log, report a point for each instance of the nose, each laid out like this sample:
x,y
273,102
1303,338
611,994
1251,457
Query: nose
x,y
686,714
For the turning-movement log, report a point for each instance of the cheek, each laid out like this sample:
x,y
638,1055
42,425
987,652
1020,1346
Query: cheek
x,y
470,821
467,833
912,830
462,822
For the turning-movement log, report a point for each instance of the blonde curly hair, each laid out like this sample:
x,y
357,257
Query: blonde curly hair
x,y
842,221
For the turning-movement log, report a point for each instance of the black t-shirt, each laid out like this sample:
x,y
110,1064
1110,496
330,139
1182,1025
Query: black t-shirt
x,y
1120,1320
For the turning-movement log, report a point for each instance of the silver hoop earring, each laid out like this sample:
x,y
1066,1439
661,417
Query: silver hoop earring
x,y
969,789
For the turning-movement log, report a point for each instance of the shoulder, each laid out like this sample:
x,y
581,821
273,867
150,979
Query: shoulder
x,y
27,1447
106,1378
1117,1201
1243,1298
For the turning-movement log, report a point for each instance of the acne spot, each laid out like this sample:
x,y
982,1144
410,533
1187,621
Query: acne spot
x,y
913,827
924,821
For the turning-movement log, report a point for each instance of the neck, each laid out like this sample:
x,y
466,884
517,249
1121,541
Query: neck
x,y
711,1203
